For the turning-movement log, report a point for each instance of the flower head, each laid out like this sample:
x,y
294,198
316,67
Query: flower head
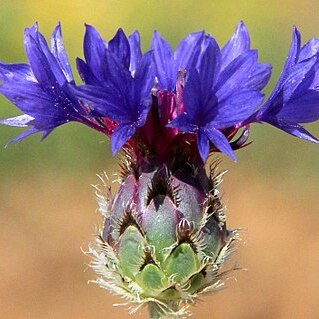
x,y
119,82
222,91
199,95
295,98
41,89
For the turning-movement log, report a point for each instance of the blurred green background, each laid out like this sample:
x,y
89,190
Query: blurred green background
x,y
47,209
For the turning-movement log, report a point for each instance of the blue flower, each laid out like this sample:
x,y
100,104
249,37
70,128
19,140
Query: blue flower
x,y
40,89
200,89
295,98
222,92
118,80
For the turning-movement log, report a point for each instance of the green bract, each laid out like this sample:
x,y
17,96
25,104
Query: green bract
x,y
164,239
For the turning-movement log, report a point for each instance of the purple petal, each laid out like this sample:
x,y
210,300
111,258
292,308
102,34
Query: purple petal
x,y
183,123
22,136
187,52
136,53
310,49
238,44
304,109
16,72
94,51
120,136
57,48
85,73
163,56
120,47
295,129
28,97
144,77
43,63
203,145
208,68
192,95
219,140
20,121
237,108
235,76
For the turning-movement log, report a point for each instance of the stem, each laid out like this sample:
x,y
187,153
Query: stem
x,y
154,311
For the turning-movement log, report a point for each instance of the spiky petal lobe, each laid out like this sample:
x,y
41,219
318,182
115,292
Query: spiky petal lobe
x,y
295,99
40,89
208,110
119,87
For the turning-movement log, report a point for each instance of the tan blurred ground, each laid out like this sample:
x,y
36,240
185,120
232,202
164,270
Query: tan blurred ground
x,y
43,273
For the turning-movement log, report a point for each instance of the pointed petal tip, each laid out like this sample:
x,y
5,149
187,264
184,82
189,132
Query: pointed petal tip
x,y
241,30
233,157
120,31
31,30
241,25
89,28
296,33
57,30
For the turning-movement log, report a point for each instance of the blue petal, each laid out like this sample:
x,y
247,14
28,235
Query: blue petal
x,y
95,52
203,145
120,136
310,49
258,77
118,77
57,48
294,51
299,79
20,121
237,108
28,97
120,47
16,72
193,96
183,123
238,44
144,77
188,50
23,135
208,68
136,53
43,63
304,109
85,73
219,140
236,75
104,101
163,56
295,130
292,59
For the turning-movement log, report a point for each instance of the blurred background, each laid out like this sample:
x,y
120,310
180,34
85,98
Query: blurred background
x,y
47,206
